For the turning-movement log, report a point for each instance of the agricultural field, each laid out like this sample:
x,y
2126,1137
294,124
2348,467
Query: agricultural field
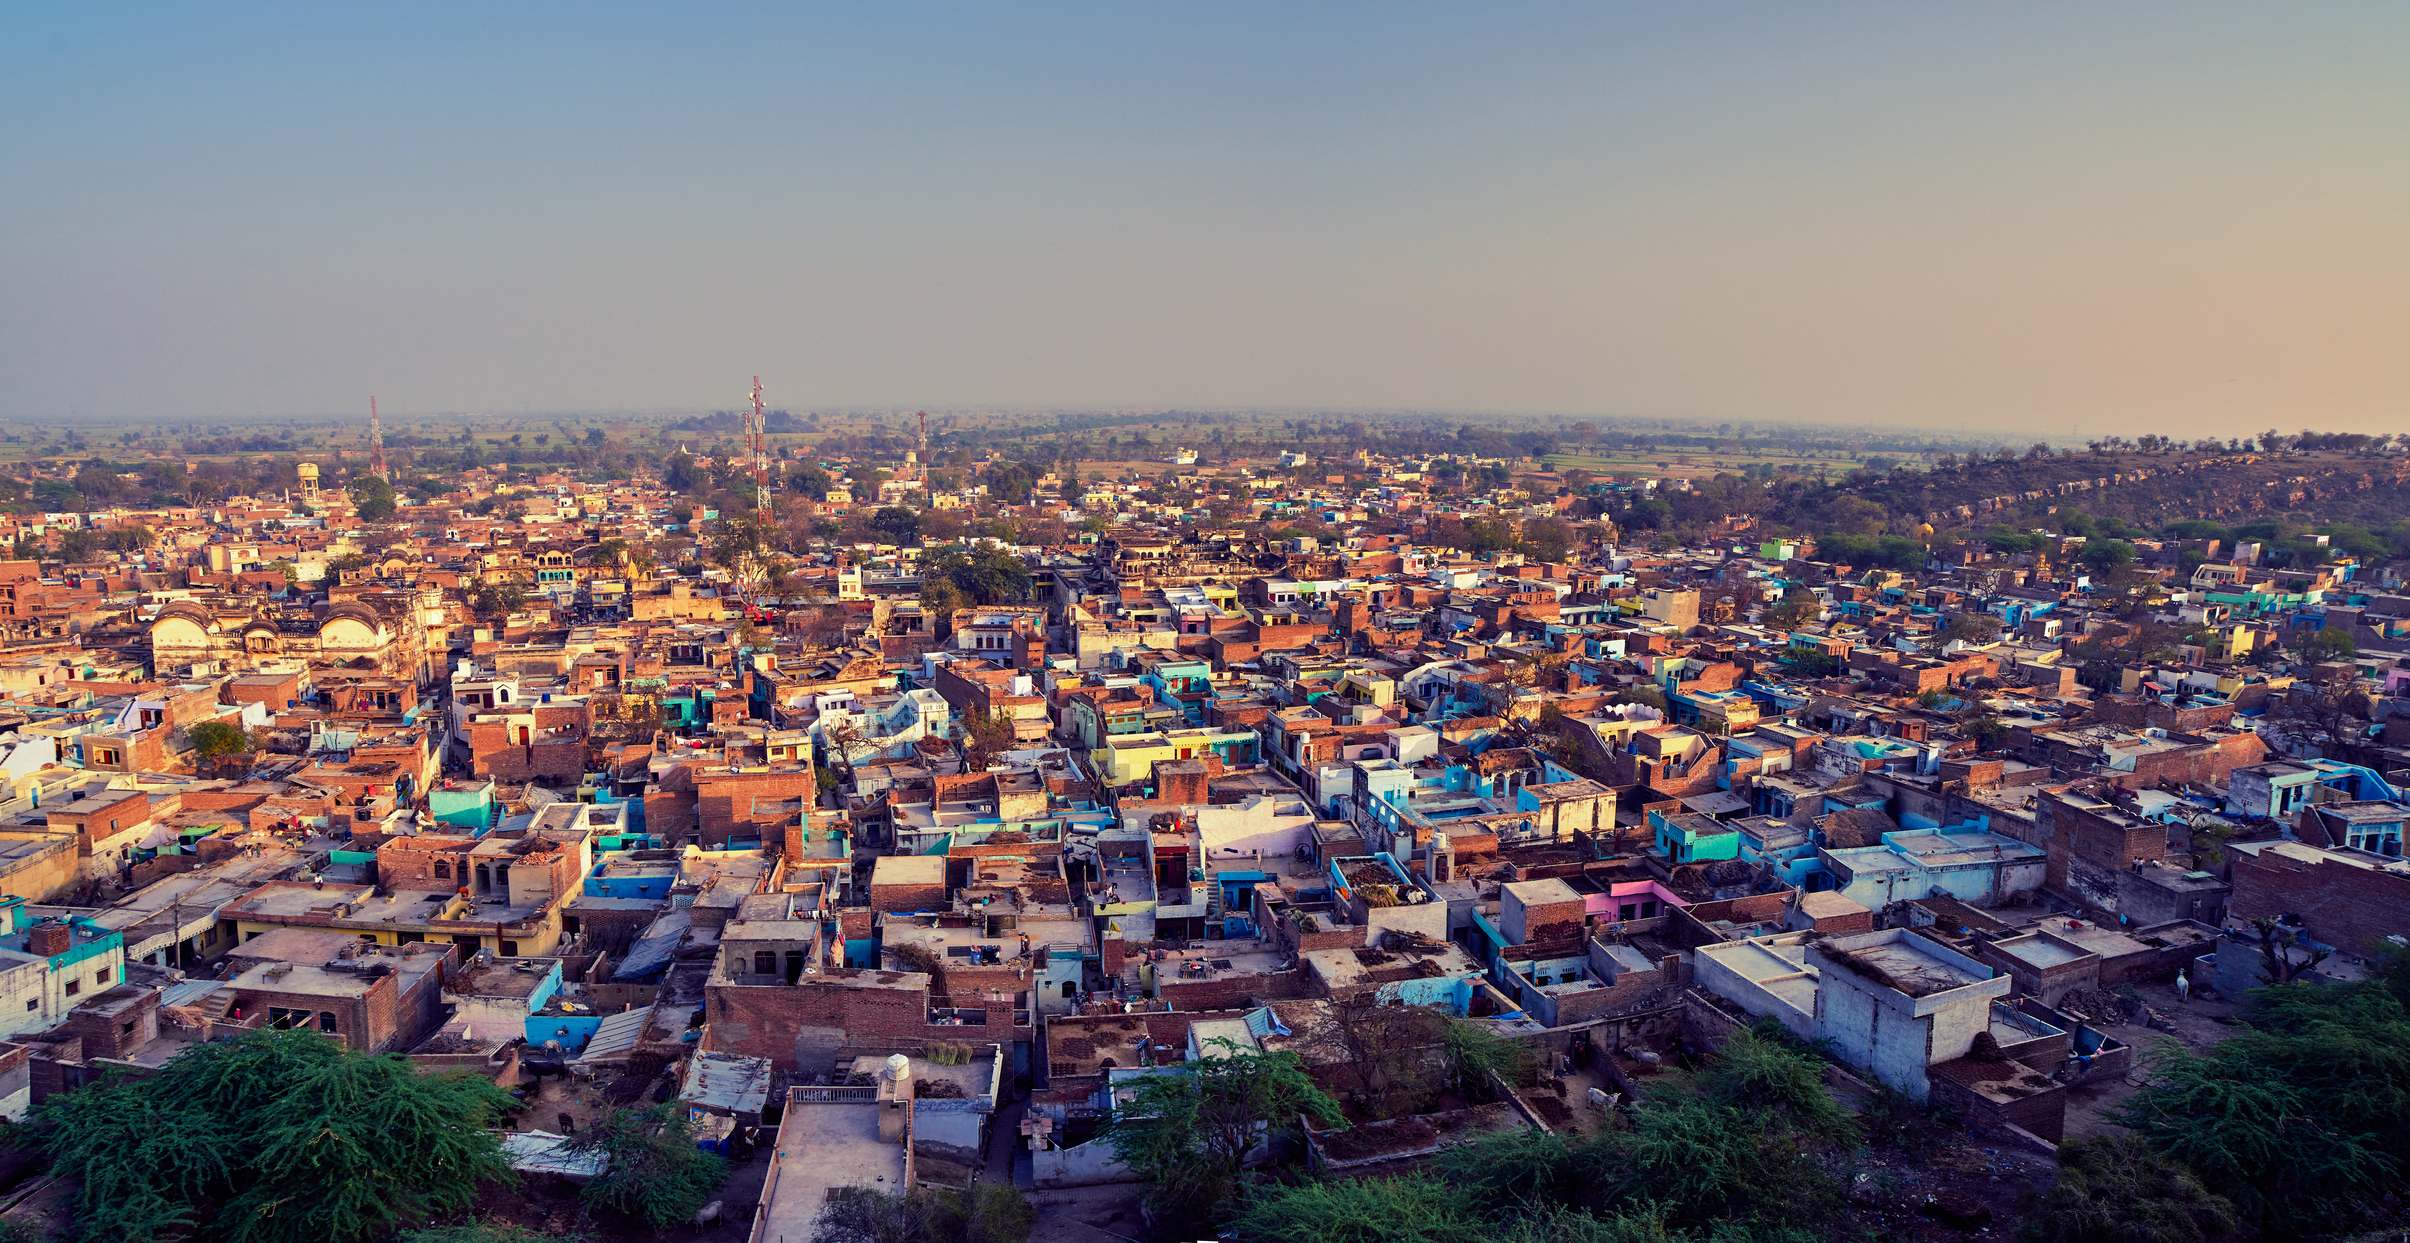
x,y
1695,465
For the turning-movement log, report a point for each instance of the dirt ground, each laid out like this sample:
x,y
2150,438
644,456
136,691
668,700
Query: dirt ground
x,y
1937,1187
2198,1024
1087,1214
1572,1114
550,1204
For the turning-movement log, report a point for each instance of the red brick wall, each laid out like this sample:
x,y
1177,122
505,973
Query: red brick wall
x,y
1630,989
670,814
1175,786
277,696
410,863
724,801
779,1021
2205,764
561,759
354,1021
2347,907
894,897
1233,992
1690,923
854,923
2087,854
1551,921
1844,925
107,1035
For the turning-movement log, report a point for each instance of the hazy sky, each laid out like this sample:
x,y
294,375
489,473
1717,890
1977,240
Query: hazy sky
x,y
2187,218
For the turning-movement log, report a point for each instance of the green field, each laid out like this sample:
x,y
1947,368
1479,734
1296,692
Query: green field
x,y
1690,465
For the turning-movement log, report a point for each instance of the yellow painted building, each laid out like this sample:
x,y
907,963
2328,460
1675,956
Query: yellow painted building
x,y
398,918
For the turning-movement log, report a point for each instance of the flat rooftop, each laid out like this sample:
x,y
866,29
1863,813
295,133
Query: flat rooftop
x,y
974,1079
909,870
1900,962
505,977
327,980
1779,968
2036,951
823,1146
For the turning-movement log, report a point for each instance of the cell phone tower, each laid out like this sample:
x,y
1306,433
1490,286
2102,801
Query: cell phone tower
x,y
757,445
376,444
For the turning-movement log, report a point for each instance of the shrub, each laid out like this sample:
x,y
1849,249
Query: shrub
x,y
2114,1189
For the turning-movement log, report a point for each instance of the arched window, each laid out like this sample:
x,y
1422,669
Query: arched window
x,y
443,869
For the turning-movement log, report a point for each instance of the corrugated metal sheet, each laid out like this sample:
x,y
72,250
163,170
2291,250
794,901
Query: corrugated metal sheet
x,y
542,1152
727,1083
617,1034
189,992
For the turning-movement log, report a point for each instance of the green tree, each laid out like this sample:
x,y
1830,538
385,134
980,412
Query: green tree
x,y
2114,1189
981,1213
1478,1059
271,1137
1548,539
1987,729
132,537
496,598
98,483
2323,644
812,481
898,525
681,473
1642,693
654,1172
213,738
1798,607
983,575
78,545
939,597
2104,555
2303,1119
743,546
1186,1130
1371,1210
1971,628
481,1232
984,737
372,497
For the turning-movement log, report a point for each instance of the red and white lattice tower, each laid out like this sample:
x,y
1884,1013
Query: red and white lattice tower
x,y
376,444
757,444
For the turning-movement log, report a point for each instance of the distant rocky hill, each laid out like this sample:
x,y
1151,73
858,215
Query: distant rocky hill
x,y
2146,489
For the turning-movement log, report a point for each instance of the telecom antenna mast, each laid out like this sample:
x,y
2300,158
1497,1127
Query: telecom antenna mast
x,y
924,439
376,444
757,444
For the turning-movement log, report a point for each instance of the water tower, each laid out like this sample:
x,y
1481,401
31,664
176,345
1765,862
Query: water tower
x,y
309,479
895,1093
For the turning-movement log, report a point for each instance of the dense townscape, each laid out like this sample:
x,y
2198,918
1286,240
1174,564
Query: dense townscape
x,y
1391,836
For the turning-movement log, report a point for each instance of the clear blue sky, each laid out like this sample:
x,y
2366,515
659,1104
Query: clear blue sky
x,y
2184,218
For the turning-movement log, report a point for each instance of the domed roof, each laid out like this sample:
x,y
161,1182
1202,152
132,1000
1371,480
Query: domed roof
x,y
356,610
190,611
